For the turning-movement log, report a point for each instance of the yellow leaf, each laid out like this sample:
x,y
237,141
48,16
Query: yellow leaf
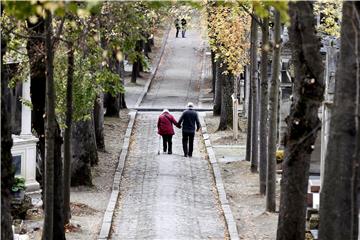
x,y
119,56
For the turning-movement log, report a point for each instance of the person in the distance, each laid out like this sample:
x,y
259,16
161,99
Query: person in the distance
x,y
183,27
177,26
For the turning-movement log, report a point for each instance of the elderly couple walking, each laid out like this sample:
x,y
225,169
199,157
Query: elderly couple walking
x,y
189,121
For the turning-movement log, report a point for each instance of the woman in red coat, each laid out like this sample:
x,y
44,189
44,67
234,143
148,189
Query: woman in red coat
x,y
166,129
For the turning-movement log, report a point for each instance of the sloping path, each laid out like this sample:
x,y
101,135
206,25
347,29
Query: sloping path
x,y
178,78
169,196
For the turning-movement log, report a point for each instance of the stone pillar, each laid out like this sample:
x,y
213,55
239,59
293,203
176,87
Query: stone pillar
x,y
24,145
330,68
26,111
235,116
247,90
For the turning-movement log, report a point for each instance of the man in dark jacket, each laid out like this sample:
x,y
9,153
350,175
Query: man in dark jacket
x,y
188,121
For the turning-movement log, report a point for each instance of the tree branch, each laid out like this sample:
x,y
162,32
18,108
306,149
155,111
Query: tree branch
x,y
59,30
21,35
258,21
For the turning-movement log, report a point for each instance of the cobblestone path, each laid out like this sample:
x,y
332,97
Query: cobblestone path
x,y
178,78
169,196
165,196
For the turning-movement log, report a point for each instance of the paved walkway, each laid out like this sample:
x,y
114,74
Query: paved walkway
x,y
178,78
169,196
165,196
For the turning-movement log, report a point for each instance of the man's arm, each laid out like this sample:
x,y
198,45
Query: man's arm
x,y
181,119
198,126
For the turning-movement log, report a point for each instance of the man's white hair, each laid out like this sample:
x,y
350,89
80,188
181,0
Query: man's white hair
x,y
190,105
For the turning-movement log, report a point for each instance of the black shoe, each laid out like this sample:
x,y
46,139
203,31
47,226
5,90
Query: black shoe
x,y
185,155
169,152
190,156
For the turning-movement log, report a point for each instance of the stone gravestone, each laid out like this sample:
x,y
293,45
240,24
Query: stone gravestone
x,y
330,68
284,100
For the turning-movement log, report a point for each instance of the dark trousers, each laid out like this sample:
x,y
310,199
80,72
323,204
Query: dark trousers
x,y
188,143
177,32
183,33
167,143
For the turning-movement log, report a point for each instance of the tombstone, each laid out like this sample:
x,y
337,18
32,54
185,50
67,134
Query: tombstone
x,y
285,93
330,68
320,142
24,145
315,159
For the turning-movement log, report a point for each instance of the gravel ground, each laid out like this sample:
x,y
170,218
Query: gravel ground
x,y
242,188
224,137
89,203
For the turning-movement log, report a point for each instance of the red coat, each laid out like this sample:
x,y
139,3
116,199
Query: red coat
x,y
165,124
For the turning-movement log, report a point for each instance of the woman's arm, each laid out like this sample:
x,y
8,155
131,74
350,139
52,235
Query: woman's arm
x,y
173,120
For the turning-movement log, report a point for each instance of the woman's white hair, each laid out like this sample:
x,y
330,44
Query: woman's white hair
x,y
165,110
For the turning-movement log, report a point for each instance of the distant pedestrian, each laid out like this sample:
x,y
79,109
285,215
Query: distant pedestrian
x,y
177,26
166,129
189,121
183,27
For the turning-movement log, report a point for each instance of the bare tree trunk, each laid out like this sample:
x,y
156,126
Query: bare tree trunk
x,y
147,45
356,158
248,132
337,201
67,134
303,121
273,118
94,158
112,105
136,65
226,116
141,67
264,104
7,173
218,87
99,121
49,133
213,70
135,70
122,79
254,94
58,229
122,101
35,50
84,153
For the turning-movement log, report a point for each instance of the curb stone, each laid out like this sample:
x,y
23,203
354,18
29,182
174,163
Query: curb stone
x,y
148,82
229,218
202,77
109,213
